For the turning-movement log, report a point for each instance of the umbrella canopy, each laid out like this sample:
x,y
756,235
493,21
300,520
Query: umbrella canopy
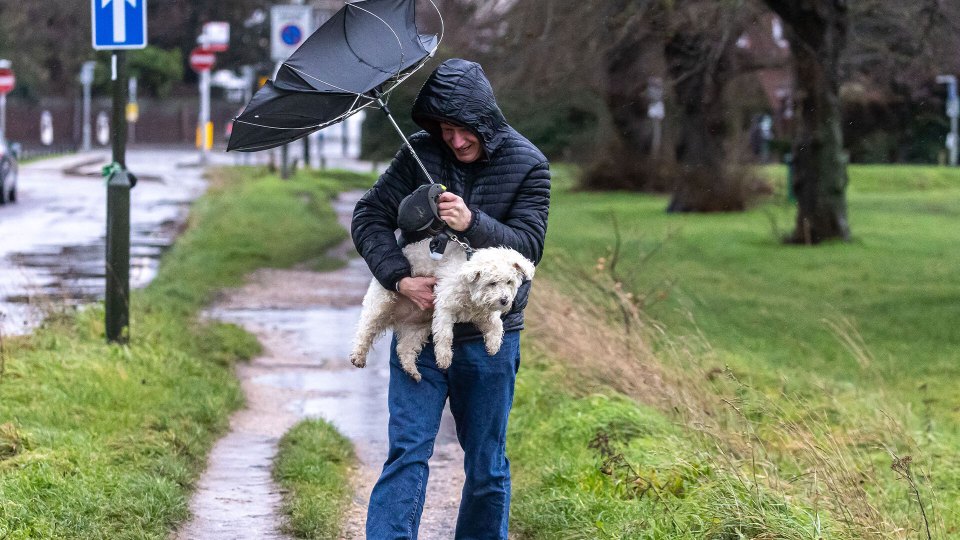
x,y
360,54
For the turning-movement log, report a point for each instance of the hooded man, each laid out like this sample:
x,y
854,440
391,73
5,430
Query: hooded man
x,y
498,194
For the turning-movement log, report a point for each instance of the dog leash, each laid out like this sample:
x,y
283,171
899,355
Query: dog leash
x,y
463,243
438,244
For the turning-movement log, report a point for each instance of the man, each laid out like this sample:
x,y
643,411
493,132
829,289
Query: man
x,y
498,195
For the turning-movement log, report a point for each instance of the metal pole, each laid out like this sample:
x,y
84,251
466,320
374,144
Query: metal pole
x,y
306,152
86,78
117,303
284,160
4,64
320,150
954,140
953,111
657,136
132,102
86,145
386,111
204,114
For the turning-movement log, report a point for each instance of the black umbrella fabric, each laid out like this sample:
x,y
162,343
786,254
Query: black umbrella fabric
x,y
361,47
275,117
357,56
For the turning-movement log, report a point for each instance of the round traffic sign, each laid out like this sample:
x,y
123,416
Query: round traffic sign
x,y
291,34
7,80
201,60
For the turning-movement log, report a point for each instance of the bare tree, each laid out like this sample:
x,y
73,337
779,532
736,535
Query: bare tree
x,y
701,60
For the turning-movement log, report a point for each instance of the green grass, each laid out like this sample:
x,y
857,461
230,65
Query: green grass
x,y
266,223
105,441
763,304
665,486
313,468
828,343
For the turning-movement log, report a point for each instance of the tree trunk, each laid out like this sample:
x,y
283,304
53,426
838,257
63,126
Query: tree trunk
x,y
817,32
700,70
634,55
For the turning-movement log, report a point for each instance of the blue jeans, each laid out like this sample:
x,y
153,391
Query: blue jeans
x,y
480,388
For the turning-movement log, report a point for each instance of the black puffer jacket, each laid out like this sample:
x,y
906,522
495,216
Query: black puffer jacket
x,y
508,189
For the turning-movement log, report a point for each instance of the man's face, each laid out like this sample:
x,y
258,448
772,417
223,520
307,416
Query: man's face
x,y
465,145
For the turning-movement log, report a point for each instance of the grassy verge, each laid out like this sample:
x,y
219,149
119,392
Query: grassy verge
x,y
817,377
313,468
105,441
603,466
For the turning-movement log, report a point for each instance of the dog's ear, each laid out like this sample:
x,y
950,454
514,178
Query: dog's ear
x,y
524,268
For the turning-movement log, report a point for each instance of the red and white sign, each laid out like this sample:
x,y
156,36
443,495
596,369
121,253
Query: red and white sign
x,y
7,80
215,36
201,60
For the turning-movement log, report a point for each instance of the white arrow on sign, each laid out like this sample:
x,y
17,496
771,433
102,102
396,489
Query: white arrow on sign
x,y
119,18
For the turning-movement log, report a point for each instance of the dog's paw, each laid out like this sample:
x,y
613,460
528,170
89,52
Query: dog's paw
x,y
493,345
414,374
444,358
358,360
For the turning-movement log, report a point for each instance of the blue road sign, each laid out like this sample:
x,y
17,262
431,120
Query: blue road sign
x,y
291,34
119,24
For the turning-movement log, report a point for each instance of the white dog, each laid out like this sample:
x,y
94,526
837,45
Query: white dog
x,y
479,291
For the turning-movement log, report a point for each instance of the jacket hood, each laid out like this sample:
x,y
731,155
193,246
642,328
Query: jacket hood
x,y
459,92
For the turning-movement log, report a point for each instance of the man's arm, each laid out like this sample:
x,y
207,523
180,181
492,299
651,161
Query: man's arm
x,y
525,226
375,222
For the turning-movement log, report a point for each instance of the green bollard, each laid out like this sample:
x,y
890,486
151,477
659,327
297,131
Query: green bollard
x,y
117,302
788,160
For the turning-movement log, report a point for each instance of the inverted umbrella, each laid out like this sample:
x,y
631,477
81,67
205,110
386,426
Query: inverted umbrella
x,y
351,62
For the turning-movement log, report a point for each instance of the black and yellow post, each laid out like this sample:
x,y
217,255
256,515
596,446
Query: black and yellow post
x,y
117,302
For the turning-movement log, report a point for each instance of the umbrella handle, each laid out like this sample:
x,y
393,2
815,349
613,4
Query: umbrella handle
x,y
406,143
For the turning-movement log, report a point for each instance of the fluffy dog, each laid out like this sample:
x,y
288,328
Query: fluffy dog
x,y
479,291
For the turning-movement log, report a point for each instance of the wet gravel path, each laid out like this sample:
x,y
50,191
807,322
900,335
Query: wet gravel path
x,y
305,321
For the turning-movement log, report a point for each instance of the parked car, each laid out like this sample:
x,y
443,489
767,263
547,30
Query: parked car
x,y
9,170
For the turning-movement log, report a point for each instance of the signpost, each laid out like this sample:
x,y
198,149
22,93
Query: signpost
x,y
216,36
7,82
118,25
953,112
86,79
289,26
133,108
657,112
201,61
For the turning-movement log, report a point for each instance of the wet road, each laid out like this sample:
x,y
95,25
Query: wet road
x,y
52,239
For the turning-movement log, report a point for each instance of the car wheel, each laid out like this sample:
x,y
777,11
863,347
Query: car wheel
x,y
13,194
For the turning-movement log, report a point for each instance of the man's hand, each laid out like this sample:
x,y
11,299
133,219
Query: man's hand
x,y
454,212
419,290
